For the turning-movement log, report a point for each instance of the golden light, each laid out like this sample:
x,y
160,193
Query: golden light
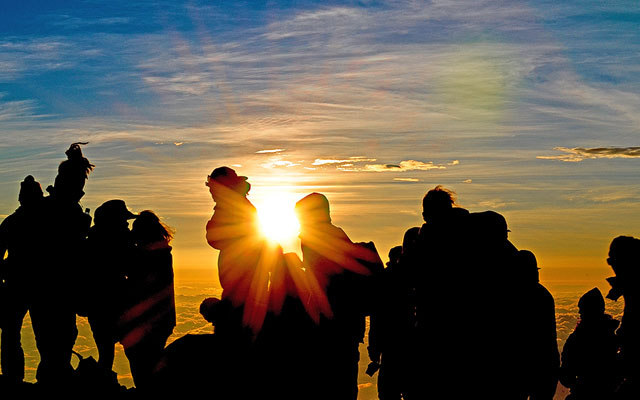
x,y
278,220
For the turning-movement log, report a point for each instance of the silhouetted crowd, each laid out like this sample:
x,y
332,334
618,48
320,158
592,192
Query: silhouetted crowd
x,y
458,312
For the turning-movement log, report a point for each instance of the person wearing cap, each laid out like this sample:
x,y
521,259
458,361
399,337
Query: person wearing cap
x,y
589,356
109,253
16,241
233,229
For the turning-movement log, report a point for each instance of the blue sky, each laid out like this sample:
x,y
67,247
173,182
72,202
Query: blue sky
x,y
528,108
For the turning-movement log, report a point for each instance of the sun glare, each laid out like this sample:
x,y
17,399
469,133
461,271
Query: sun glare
x,y
278,220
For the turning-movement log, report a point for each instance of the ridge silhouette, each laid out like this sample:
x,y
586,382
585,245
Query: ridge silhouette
x,y
290,328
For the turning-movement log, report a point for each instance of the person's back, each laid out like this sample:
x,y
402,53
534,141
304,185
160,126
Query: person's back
x,y
589,357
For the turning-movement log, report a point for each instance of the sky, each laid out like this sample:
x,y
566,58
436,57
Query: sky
x,y
531,109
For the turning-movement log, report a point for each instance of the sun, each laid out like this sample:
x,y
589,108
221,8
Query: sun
x,y
278,220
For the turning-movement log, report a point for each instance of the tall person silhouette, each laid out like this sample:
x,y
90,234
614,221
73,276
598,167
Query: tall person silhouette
x,y
16,239
61,233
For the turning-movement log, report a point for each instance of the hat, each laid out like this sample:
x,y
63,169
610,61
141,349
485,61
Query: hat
x,y
225,176
113,209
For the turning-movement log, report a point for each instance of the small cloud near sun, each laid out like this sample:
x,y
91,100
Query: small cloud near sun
x,y
270,151
178,143
577,154
406,179
467,181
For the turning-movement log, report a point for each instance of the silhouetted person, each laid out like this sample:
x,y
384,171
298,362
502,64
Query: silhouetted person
x,y
339,272
589,357
492,282
16,237
624,259
392,338
245,258
151,314
110,250
443,281
536,347
59,240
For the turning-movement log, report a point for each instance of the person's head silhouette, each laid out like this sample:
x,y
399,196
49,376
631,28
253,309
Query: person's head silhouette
x,y
72,174
113,213
528,265
313,209
624,254
224,182
148,229
591,304
30,192
437,203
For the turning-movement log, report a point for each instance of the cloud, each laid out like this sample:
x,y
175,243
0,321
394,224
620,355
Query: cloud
x,y
280,164
406,179
409,165
270,151
577,154
353,164
16,109
467,181
349,161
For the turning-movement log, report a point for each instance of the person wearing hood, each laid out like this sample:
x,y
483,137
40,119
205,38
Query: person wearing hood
x,y
589,357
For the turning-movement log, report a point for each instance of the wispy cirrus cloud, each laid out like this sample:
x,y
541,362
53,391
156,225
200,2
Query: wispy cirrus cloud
x,y
577,154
